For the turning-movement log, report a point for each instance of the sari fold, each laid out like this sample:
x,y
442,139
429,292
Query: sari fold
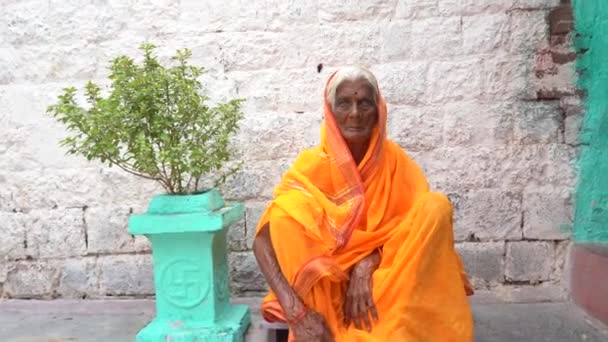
x,y
329,213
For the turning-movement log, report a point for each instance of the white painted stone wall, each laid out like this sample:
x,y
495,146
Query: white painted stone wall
x,y
459,77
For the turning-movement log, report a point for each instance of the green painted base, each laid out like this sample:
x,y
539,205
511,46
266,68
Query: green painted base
x,y
230,327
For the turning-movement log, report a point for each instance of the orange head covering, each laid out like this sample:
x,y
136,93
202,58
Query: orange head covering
x,y
348,190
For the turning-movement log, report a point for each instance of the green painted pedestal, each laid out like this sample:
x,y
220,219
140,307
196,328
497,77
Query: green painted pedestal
x,y
188,236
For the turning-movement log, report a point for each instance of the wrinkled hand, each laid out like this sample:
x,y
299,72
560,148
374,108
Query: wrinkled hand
x,y
359,302
312,328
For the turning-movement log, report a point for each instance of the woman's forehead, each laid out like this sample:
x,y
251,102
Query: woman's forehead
x,y
356,87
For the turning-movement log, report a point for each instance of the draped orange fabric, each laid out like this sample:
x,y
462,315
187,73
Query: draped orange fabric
x,y
328,213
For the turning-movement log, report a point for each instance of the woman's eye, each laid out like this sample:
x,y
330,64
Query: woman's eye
x,y
343,105
366,105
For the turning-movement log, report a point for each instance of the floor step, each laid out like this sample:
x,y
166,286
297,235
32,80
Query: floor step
x,y
120,320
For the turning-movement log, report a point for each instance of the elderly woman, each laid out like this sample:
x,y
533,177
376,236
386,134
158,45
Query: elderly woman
x,y
354,246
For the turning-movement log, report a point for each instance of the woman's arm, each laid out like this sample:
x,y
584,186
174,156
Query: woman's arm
x,y
370,263
267,260
305,324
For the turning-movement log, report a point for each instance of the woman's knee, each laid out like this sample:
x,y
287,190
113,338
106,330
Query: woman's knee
x,y
435,204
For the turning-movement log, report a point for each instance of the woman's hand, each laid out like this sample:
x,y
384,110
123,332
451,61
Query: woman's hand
x,y
359,301
312,328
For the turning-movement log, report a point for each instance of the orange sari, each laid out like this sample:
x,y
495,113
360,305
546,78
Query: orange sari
x,y
328,213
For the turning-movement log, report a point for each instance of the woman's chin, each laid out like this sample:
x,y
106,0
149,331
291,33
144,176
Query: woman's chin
x,y
356,137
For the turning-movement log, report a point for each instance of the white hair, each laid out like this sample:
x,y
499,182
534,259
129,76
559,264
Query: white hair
x,y
351,73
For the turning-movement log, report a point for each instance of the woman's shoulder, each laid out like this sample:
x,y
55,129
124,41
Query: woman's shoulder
x,y
397,151
311,159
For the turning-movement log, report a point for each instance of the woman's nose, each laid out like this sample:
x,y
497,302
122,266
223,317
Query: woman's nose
x,y
355,110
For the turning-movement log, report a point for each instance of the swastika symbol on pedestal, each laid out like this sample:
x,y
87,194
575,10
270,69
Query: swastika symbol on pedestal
x,y
184,283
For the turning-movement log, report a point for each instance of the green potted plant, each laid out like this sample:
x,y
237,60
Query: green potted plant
x,y
155,123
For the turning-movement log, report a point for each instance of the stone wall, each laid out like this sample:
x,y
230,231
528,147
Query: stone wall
x,y
481,94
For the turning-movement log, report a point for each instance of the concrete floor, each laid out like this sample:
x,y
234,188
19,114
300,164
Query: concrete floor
x,y
119,320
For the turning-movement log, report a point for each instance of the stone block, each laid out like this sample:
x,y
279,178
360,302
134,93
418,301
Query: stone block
x,y
455,80
396,41
572,129
460,169
57,188
13,236
210,16
417,9
483,262
271,136
141,244
29,23
470,7
487,215
7,204
572,105
474,7
128,275
292,91
79,278
45,23
55,62
158,16
529,261
252,50
118,186
36,279
392,78
245,276
474,124
507,77
416,128
529,31
349,10
574,110
107,230
521,167
557,83
12,143
8,58
561,263
4,268
253,215
55,233
332,45
448,28
485,33
255,180
24,107
560,167
537,123
15,157
542,293
237,239
547,214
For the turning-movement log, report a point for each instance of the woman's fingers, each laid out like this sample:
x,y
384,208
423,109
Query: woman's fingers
x,y
368,324
367,309
374,312
358,307
348,314
357,312
371,306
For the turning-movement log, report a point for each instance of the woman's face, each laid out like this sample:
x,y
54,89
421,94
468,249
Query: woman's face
x,y
355,111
